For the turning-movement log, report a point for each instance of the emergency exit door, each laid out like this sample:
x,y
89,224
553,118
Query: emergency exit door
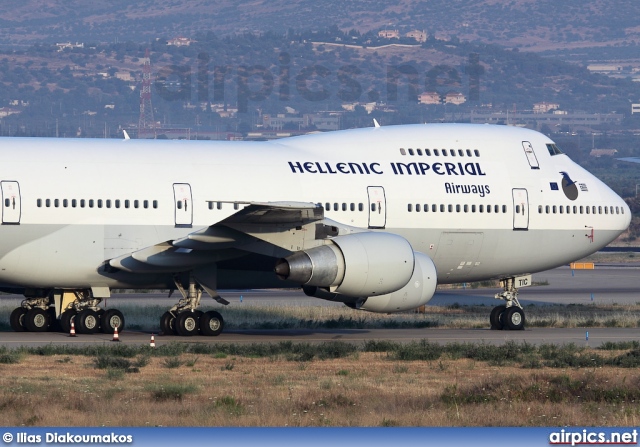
x,y
11,204
377,207
520,209
183,204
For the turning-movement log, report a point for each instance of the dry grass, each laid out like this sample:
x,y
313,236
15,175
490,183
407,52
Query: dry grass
x,y
361,389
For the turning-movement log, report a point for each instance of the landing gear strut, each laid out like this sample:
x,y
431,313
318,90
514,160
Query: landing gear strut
x,y
185,319
510,315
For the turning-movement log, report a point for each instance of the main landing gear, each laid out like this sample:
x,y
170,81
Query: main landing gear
x,y
184,318
40,314
510,315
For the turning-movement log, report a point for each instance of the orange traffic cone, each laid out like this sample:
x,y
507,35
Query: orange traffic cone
x,y
72,333
116,337
152,344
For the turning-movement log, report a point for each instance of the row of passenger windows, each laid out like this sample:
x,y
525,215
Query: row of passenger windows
x,y
99,203
560,209
434,208
443,152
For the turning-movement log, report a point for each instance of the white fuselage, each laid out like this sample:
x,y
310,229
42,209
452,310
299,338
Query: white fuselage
x,y
486,202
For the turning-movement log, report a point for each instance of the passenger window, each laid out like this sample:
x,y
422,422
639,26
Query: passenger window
x,y
442,208
373,207
444,153
555,209
126,203
410,151
117,203
335,207
327,206
99,203
82,203
427,152
419,151
461,152
39,202
476,152
488,208
473,208
450,208
504,209
344,207
434,208
90,203
539,209
402,152
178,204
219,205
458,208
155,204
435,152
236,206
136,203
108,203
65,203
468,153
360,207
56,203
452,152
409,206
547,209
481,208
517,209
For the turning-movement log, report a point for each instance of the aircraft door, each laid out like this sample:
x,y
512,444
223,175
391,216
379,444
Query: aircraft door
x,y
183,204
11,205
377,207
520,209
531,155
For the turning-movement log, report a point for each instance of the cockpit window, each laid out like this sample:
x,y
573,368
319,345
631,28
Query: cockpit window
x,y
553,149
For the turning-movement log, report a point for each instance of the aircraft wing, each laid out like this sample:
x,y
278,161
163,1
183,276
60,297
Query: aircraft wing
x,y
271,228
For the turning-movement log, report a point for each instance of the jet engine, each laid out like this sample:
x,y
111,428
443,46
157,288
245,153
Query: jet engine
x,y
378,272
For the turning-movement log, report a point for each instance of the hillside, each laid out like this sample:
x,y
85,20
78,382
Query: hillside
x,y
536,25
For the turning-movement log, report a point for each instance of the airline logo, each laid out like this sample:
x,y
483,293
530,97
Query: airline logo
x,y
414,168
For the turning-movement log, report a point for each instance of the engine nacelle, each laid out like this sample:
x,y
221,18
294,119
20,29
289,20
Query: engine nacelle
x,y
359,265
417,292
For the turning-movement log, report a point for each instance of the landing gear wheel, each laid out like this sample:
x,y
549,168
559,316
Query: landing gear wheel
x,y
211,323
36,320
187,323
17,319
111,319
87,322
65,320
513,318
54,324
168,324
496,317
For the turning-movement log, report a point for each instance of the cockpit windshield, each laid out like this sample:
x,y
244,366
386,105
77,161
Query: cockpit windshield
x,y
554,150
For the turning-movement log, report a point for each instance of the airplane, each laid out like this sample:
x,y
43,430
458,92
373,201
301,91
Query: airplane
x,y
374,218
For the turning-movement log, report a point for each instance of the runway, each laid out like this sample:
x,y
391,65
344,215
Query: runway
x,y
614,284
535,336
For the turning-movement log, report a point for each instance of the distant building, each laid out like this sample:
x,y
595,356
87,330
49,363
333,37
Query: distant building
x,y
124,76
6,111
544,107
429,98
180,41
454,98
62,46
603,153
635,108
419,36
389,34
604,68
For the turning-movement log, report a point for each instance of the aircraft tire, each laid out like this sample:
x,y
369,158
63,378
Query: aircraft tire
x,y
65,320
168,324
496,317
513,319
36,320
54,323
17,319
187,323
87,322
211,323
111,319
